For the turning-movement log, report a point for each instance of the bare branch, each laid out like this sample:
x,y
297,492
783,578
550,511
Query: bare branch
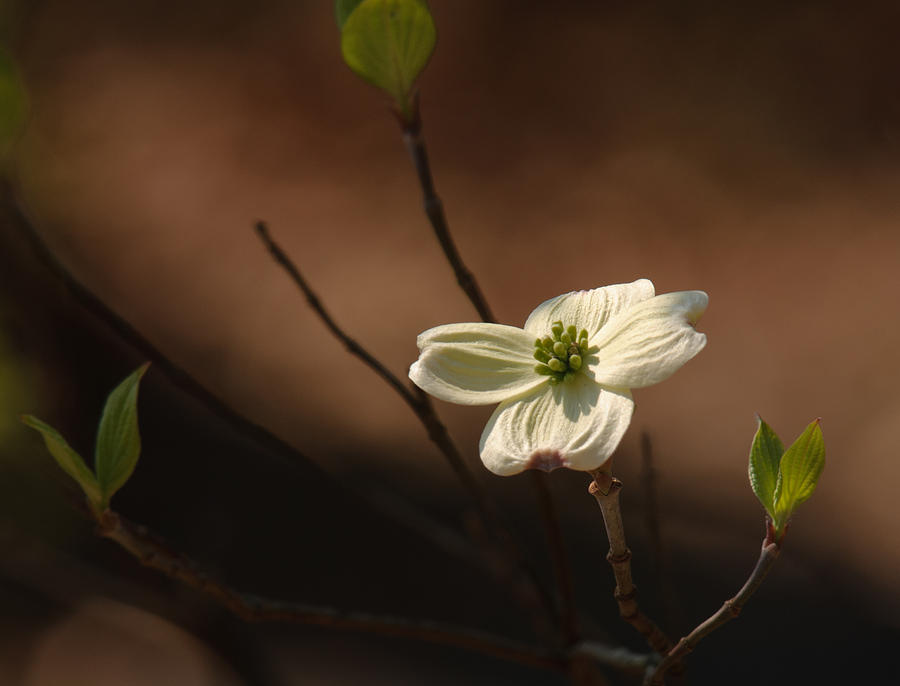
x,y
605,490
154,553
729,610
352,346
532,593
434,209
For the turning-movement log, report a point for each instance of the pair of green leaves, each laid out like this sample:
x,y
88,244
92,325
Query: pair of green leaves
x,y
782,479
118,445
387,43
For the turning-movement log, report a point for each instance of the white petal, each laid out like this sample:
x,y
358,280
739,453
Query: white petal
x,y
649,342
575,424
475,364
587,309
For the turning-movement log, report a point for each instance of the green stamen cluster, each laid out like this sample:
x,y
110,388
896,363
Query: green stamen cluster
x,y
561,355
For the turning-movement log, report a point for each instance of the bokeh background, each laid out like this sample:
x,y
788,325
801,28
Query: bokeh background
x,y
749,149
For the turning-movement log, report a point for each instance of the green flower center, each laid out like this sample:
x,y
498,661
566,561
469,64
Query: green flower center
x,y
562,353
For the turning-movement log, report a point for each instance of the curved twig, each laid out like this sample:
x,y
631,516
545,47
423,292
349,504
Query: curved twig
x,y
532,592
730,609
434,208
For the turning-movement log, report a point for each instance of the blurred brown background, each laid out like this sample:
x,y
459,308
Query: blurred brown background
x,y
749,149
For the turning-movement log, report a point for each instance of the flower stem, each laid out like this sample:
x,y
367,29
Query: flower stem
x,y
605,489
730,609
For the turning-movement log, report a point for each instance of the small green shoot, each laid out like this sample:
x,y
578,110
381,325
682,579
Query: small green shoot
x,y
118,445
387,43
67,459
784,479
118,439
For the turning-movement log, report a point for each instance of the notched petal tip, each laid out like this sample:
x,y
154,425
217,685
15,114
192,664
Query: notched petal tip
x,y
546,461
697,305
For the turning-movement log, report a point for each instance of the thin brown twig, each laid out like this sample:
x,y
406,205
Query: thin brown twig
x,y
605,489
434,208
532,593
352,346
730,609
411,126
150,551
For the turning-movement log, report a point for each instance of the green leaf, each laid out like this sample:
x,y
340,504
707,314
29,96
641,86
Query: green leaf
x,y
343,9
765,456
799,473
118,438
388,43
68,460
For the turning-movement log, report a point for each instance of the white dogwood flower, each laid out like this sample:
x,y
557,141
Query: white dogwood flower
x,y
563,381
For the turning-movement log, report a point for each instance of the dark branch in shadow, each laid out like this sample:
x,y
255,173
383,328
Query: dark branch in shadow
x,y
658,561
152,552
561,571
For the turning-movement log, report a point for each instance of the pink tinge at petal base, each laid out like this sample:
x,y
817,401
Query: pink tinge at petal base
x,y
546,461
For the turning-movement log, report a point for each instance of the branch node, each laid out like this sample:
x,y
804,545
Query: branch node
x,y
605,488
622,597
618,558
